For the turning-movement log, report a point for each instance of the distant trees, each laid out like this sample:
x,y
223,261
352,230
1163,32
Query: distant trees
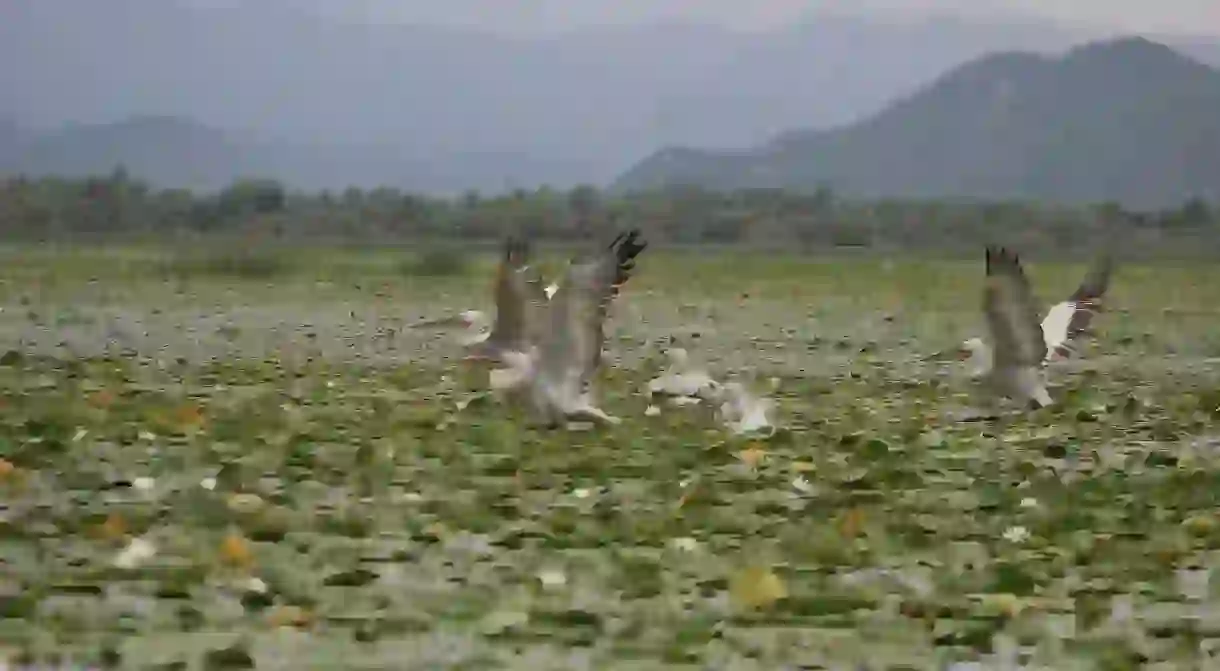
x,y
118,205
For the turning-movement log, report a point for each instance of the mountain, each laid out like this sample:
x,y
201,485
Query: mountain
x,y
1127,120
565,108
457,108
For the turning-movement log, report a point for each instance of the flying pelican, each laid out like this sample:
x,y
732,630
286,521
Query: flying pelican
x,y
559,367
519,292
1012,318
517,285
1064,322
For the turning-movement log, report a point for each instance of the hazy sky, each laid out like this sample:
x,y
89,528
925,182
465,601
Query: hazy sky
x,y
1178,16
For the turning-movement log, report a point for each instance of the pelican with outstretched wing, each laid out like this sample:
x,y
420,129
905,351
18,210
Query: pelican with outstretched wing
x,y
519,294
1012,318
1063,324
518,290
560,366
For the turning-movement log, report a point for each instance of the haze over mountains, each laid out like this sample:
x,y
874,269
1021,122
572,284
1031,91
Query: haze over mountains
x,y
1126,120
187,96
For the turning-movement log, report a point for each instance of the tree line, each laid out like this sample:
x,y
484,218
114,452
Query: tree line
x,y
121,207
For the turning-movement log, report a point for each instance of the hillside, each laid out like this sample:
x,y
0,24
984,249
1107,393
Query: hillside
x,y
1127,120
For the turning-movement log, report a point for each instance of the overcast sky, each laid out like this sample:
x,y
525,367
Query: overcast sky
x,y
1147,16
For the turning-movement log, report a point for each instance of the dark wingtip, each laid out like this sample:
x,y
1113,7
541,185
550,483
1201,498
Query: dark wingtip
x,y
1000,255
516,249
1095,284
626,247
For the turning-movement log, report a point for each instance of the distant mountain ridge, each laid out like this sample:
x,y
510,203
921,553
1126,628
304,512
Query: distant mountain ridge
x,y
480,110
333,103
1126,120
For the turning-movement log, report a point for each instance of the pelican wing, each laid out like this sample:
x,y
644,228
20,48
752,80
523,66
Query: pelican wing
x,y
519,293
1095,283
439,322
1068,320
572,347
1012,315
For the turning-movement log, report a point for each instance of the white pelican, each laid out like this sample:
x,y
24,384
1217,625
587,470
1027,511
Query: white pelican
x,y
1063,323
559,366
679,380
744,412
474,323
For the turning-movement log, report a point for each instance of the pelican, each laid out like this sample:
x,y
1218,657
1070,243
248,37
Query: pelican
x,y
1012,318
743,412
559,366
517,287
1063,323
680,381
519,292
474,323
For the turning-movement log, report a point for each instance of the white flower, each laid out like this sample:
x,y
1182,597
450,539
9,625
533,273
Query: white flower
x,y
1016,534
137,552
147,436
1029,502
256,585
552,578
143,484
652,411
208,483
582,493
685,544
800,484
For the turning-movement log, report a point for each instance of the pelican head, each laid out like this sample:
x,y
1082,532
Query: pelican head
x,y
677,356
472,319
972,349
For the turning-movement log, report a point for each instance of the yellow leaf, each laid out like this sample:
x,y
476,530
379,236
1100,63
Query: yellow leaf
x,y
113,528
189,416
101,399
235,551
291,616
752,456
1003,603
756,587
851,523
1200,525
